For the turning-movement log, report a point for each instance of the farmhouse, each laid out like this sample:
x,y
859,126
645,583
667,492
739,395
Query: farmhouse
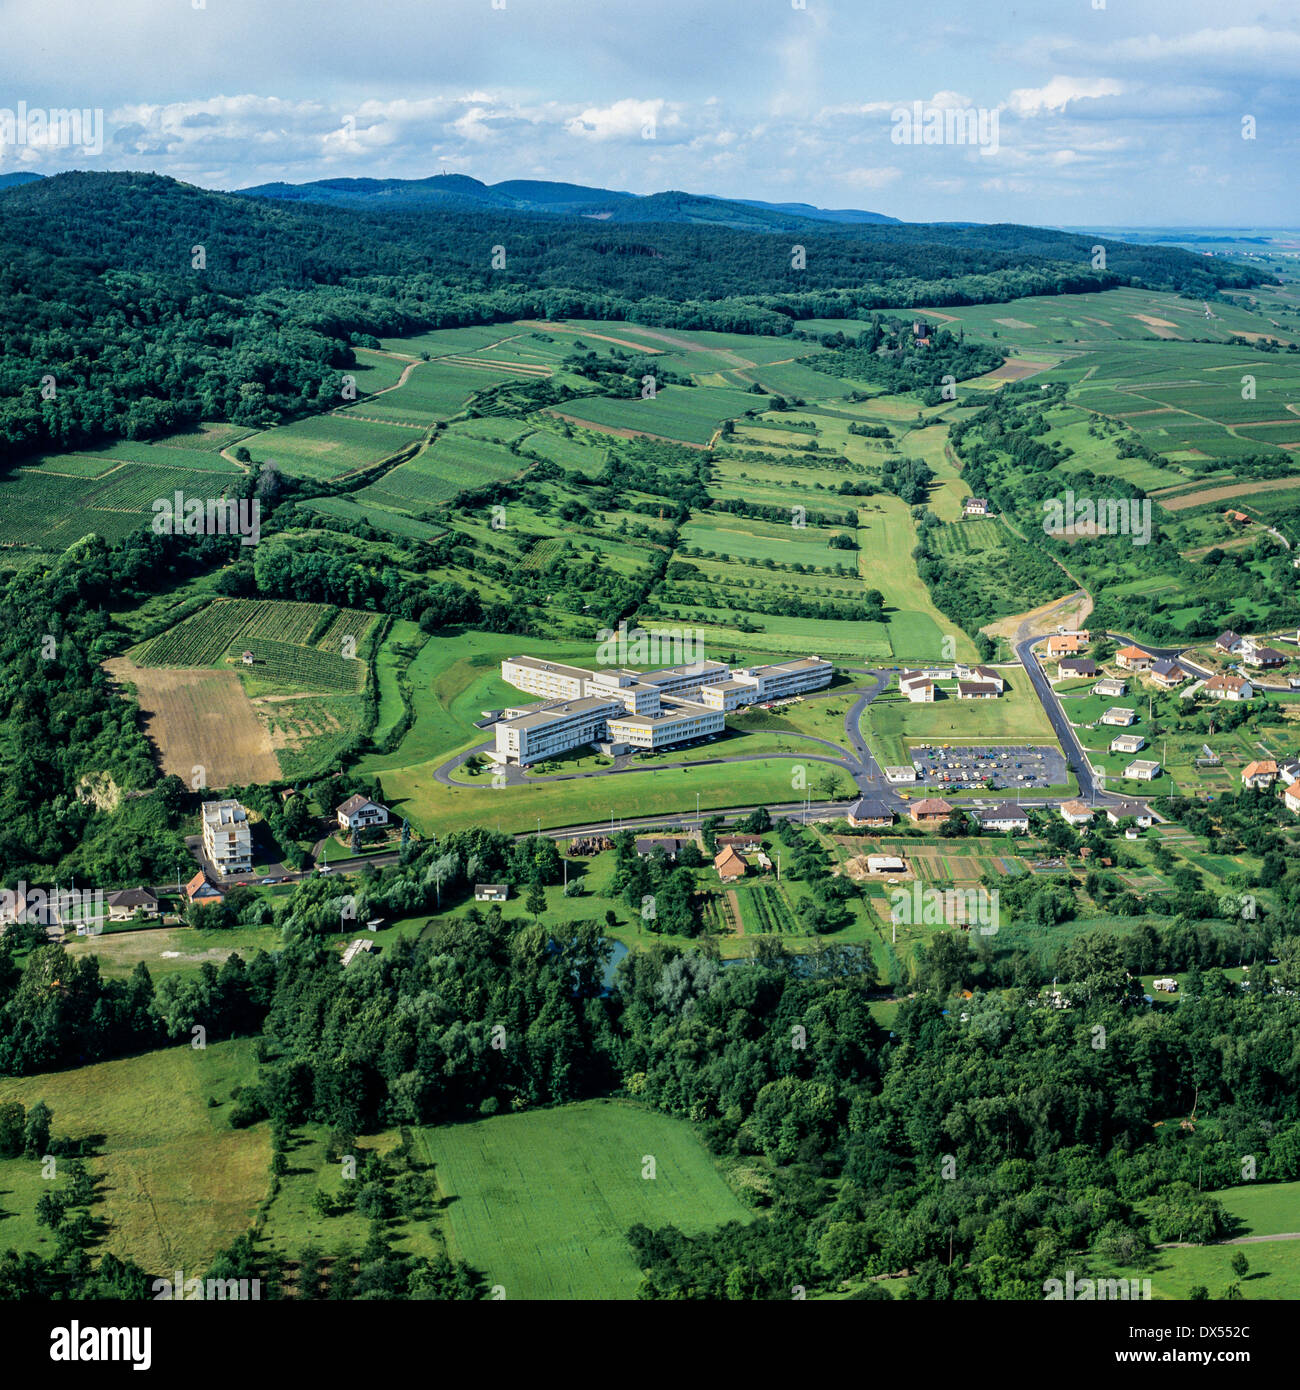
x,y
1076,812
1228,641
1127,743
978,690
1119,714
1110,687
1076,666
1291,799
124,905
1222,687
900,774
1067,643
491,892
1003,817
1133,659
1262,773
1167,674
918,688
930,810
886,864
227,837
1143,770
357,813
200,890
730,865
1129,810
975,506
869,811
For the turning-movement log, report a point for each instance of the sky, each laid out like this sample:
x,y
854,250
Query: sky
x,y
1051,112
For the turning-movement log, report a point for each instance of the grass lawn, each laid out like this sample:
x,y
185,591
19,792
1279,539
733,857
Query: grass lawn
x,y
176,1183
1015,717
432,807
541,1202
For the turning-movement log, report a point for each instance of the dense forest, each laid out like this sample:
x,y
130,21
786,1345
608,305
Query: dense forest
x,y
132,304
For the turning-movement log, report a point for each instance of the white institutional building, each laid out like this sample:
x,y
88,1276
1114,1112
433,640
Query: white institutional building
x,y
638,709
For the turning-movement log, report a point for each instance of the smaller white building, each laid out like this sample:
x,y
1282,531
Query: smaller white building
x,y
359,813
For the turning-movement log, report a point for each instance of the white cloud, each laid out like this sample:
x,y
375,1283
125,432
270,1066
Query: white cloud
x,y
624,120
1060,92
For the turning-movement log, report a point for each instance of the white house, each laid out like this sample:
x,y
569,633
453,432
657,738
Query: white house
x,y
918,687
1222,687
359,813
1076,812
1143,770
1291,799
1127,743
123,906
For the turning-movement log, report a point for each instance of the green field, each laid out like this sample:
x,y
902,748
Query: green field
x,y
541,1202
691,415
177,1183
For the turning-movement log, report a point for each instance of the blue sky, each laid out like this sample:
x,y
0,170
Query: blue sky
x,y
1128,114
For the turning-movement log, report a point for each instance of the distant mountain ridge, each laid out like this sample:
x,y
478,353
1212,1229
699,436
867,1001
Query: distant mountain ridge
x,y
461,193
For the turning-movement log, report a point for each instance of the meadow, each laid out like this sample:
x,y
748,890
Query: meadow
x,y
689,414
175,1182
541,1202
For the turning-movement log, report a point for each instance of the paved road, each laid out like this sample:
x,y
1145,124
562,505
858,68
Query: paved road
x,y
1061,727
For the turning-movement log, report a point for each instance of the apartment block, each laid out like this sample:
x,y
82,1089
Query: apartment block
x,y
227,837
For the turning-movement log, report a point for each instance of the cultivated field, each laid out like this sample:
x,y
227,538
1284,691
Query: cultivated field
x,y
200,719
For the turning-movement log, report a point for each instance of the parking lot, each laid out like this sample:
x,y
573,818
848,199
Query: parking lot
x,y
968,768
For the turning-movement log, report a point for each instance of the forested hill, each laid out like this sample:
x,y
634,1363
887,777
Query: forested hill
x,y
151,302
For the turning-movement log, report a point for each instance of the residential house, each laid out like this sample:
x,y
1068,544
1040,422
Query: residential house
x,y
975,506
1291,799
1266,657
491,892
1134,659
669,845
1168,674
730,865
929,810
1223,687
1142,770
746,844
1262,773
1076,812
870,811
1110,687
984,673
918,688
1127,743
1228,642
123,906
359,813
978,690
1067,643
1076,666
1289,771
201,890
1129,810
1003,817
1119,714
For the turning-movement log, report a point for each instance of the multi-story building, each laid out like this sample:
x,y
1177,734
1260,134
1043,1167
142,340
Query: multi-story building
x,y
227,837
548,679
677,721
785,678
727,695
551,728
639,696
